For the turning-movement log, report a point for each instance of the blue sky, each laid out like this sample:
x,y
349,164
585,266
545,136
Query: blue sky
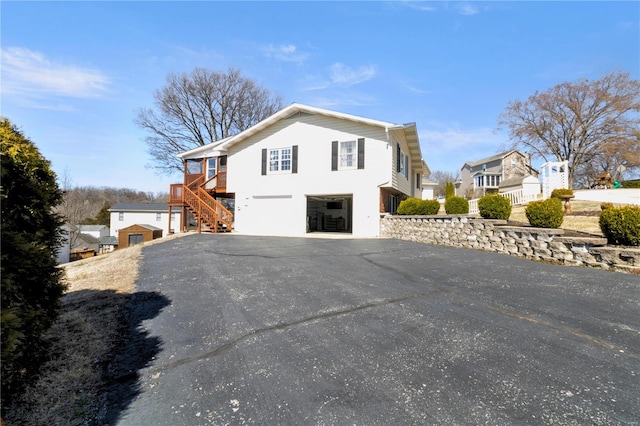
x,y
75,73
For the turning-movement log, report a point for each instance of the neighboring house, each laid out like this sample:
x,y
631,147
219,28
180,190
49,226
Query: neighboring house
x,y
96,231
65,244
107,244
428,189
303,169
493,174
75,241
124,215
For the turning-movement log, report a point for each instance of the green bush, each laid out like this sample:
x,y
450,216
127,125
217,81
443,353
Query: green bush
x,y
32,285
429,207
621,225
559,192
415,206
494,206
456,205
545,214
631,183
408,206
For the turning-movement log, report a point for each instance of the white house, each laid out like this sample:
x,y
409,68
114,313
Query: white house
x,y
306,169
494,174
124,215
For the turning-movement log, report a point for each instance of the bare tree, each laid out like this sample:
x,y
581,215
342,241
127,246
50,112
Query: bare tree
x,y
441,178
578,122
200,108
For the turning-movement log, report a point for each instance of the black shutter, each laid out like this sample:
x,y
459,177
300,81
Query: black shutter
x,y
264,161
294,159
334,155
361,153
398,158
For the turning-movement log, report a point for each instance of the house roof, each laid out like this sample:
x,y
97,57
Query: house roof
x,y
223,145
490,159
516,181
87,238
142,225
140,207
108,240
89,228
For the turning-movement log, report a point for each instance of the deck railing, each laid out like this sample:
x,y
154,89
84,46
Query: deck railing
x,y
517,198
175,193
207,209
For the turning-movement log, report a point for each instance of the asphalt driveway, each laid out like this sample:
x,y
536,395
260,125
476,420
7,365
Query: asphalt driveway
x,y
265,330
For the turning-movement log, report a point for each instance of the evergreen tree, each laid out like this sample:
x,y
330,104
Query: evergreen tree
x,y
31,235
449,190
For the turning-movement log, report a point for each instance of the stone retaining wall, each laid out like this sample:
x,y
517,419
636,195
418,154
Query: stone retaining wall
x,y
549,245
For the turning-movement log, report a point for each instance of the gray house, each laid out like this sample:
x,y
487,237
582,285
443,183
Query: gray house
x,y
494,174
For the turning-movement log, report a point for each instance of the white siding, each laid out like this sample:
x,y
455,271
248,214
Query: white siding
x,y
145,218
276,204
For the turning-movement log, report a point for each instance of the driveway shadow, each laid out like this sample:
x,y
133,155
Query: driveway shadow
x,y
132,352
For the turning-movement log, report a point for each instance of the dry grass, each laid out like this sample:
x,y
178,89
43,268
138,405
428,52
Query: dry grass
x,y
68,389
584,217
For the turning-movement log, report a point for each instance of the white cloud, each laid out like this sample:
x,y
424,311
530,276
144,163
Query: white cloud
x,y
344,75
31,74
448,147
468,9
340,76
286,52
419,5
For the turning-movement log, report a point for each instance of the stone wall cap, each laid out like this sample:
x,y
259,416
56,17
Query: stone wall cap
x,y
614,249
532,230
590,241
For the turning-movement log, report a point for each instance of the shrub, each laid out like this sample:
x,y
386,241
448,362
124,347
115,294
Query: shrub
x,y
631,183
605,206
408,206
456,205
415,206
545,214
494,206
32,285
559,192
429,207
621,225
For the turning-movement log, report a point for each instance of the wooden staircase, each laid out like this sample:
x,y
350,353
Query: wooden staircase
x,y
209,212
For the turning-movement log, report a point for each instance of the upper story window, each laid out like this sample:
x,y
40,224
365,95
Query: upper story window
x,y
280,160
347,155
158,217
194,167
120,216
211,167
403,163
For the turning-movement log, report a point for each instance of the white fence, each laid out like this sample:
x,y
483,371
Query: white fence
x,y
517,198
